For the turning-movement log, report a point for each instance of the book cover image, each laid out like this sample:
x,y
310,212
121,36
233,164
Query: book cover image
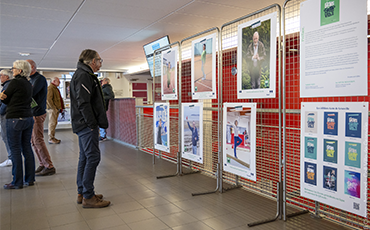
x,y
330,178
310,173
352,183
353,125
311,122
331,123
330,151
310,147
352,154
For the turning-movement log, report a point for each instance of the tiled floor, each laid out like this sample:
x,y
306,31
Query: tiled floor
x,y
127,178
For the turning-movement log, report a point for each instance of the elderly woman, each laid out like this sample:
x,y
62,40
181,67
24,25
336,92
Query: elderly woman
x,y
19,124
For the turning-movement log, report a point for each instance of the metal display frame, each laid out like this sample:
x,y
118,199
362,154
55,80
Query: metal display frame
x,y
282,135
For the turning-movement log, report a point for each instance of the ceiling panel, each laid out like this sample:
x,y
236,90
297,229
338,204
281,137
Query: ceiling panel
x,y
117,29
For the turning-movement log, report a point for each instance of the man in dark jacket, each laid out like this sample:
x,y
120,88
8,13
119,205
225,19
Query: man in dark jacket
x,y
108,95
39,92
194,137
5,77
88,114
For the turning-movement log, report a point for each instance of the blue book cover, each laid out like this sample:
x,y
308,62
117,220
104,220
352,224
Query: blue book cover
x,y
330,178
353,125
331,123
310,173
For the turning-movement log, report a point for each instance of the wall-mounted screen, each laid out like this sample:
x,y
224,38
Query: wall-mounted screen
x,y
149,53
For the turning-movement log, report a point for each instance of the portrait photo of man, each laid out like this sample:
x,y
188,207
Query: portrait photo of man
x,y
257,58
256,54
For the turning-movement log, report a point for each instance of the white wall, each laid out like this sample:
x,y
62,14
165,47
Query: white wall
x,y
121,86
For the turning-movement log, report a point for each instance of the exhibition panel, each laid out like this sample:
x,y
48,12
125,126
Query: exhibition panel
x,y
326,102
257,105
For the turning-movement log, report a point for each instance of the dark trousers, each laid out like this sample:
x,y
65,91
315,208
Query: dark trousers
x,y
19,131
89,159
237,142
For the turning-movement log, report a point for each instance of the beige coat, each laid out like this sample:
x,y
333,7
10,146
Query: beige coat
x,y
53,98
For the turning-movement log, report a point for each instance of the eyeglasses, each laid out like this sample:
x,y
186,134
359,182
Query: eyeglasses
x,y
13,68
100,60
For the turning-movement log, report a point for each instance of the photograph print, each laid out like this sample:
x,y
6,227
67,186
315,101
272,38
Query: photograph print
x,y
203,67
257,58
192,132
169,74
239,142
161,127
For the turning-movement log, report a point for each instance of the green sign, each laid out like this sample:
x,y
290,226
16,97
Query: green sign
x,y
329,12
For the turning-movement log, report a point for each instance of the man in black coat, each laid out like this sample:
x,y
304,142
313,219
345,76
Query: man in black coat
x,y
88,114
108,94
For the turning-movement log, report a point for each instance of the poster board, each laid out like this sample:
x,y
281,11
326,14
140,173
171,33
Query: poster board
x,y
192,131
333,48
257,58
169,74
334,144
161,125
203,68
239,127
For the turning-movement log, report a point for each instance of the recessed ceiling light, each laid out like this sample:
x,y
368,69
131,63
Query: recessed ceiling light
x,y
24,54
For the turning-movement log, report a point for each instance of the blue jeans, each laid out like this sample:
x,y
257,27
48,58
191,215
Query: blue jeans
x,y
194,149
19,131
103,132
88,140
4,136
237,142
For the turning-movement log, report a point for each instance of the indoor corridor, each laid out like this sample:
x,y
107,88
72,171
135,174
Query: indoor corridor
x,y
140,201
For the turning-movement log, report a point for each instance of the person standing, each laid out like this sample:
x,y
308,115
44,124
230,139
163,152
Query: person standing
x,y
19,124
237,139
256,55
55,105
194,137
5,77
108,94
203,58
88,114
159,132
39,93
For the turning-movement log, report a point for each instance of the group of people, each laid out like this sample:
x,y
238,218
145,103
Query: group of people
x,y
23,112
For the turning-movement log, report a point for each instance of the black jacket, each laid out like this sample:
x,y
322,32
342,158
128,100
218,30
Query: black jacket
x,y
19,97
108,94
87,104
39,93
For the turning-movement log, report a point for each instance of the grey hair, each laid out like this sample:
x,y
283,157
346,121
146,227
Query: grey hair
x,y
106,80
256,33
24,66
87,56
6,72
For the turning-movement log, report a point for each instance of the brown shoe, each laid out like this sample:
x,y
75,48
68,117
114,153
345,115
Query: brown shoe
x,y
53,141
94,202
80,197
39,169
46,172
56,140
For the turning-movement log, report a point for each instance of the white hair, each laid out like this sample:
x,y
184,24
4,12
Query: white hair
x,y
6,72
107,80
24,66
